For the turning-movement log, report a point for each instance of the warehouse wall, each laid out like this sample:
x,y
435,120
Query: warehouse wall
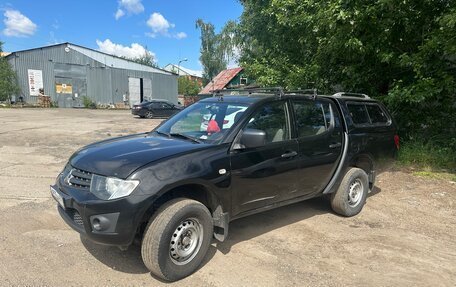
x,y
105,85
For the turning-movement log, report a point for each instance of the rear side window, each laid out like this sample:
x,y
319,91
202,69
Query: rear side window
x,y
156,105
358,114
312,118
376,114
367,114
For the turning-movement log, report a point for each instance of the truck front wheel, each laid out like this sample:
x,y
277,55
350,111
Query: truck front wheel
x,y
177,238
351,195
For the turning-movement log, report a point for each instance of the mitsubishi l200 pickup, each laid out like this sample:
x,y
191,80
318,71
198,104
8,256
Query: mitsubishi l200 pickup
x,y
178,186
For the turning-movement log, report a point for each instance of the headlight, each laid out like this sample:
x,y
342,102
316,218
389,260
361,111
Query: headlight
x,y
111,188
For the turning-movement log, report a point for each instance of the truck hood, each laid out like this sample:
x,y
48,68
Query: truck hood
x,y
119,157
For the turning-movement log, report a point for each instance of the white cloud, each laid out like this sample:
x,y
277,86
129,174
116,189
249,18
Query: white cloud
x,y
119,14
18,25
181,35
159,25
128,7
134,51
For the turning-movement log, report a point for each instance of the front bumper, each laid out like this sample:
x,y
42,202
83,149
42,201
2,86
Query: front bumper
x,y
137,112
120,218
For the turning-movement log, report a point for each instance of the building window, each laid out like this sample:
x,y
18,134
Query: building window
x,y
243,81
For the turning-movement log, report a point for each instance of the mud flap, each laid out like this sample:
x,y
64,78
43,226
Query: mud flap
x,y
221,222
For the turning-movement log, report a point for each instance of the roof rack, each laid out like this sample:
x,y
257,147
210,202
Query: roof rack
x,y
305,91
348,94
313,92
271,90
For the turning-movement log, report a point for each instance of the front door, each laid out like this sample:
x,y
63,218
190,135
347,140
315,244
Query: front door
x,y
320,137
264,175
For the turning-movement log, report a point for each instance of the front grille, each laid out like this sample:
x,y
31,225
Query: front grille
x,y
75,216
79,178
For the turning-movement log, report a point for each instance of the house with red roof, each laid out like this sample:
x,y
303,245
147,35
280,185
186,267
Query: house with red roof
x,y
227,79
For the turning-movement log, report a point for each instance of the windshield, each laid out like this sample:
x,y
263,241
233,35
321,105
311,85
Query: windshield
x,y
204,122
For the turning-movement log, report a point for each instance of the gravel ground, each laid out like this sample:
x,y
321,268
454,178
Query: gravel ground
x,y
405,235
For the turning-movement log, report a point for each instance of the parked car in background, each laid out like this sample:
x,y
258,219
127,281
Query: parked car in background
x,y
155,109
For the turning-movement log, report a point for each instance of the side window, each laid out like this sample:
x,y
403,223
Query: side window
x,y
358,114
165,106
376,114
272,118
312,117
155,105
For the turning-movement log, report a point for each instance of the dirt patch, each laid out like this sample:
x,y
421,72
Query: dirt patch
x,y
404,236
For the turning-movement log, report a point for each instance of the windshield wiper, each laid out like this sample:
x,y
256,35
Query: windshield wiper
x,y
186,137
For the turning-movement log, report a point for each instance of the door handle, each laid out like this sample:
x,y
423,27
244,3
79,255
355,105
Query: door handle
x,y
334,145
289,154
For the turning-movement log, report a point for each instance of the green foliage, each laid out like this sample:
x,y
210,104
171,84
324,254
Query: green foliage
x,y
428,155
216,49
8,80
188,87
146,59
211,57
88,103
401,52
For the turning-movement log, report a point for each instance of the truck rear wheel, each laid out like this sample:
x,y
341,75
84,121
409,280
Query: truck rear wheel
x,y
351,195
177,238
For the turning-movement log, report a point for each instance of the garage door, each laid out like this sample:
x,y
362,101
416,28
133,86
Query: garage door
x,y
147,87
134,90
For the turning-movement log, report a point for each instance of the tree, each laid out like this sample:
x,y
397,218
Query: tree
x,y
146,59
8,81
188,87
400,51
212,51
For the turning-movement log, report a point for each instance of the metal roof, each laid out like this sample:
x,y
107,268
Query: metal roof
x,y
183,71
106,59
221,80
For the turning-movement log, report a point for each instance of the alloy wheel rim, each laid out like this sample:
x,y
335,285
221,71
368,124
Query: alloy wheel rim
x,y
186,241
355,193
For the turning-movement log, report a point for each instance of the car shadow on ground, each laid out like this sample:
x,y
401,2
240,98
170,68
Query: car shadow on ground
x,y
242,229
255,225
128,261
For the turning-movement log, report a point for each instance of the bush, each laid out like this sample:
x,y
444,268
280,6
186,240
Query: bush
x,y
88,103
431,155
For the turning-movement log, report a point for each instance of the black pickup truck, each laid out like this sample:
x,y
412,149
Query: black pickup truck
x,y
223,158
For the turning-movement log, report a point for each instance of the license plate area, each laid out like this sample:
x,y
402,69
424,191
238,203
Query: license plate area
x,y
56,195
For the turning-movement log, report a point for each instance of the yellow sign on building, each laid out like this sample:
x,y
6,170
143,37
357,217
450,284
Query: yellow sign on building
x,y
63,88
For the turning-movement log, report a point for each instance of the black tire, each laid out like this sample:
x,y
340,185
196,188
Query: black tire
x,y
158,238
346,201
149,115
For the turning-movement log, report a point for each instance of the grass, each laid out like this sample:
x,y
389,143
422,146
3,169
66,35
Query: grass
x,y
435,175
428,158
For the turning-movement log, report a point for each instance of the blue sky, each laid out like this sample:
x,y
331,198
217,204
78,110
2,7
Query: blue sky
x,y
167,28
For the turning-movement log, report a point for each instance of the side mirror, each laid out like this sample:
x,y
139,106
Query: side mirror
x,y
253,138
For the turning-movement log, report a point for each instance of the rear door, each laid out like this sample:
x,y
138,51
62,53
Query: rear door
x,y
156,108
320,136
167,109
267,174
371,120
